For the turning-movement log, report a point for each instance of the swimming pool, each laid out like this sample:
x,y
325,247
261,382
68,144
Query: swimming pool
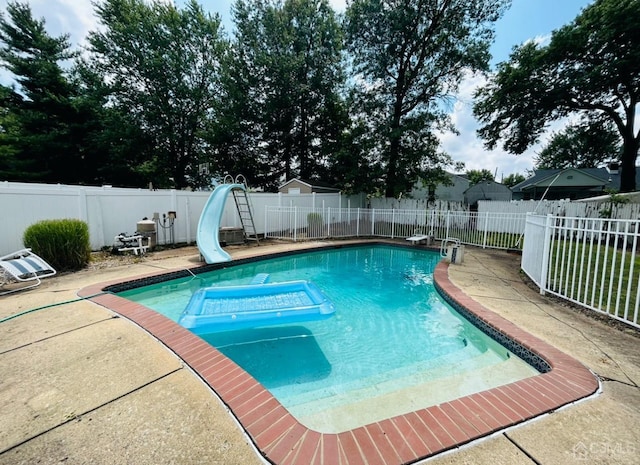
x,y
394,440
393,346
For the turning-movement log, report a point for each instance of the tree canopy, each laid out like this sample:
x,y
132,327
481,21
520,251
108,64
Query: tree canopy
x,y
161,96
590,67
283,87
408,56
40,118
513,179
582,145
162,65
477,176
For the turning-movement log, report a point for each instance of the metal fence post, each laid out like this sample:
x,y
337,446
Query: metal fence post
x,y
393,222
266,225
373,221
447,223
486,230
546,252
295,224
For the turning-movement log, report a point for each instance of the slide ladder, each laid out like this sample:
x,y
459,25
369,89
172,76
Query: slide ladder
x,y
245,212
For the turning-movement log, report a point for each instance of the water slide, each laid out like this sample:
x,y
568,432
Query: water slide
x,y
209,224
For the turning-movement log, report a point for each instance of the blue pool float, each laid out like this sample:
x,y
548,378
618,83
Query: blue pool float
x,y
215,309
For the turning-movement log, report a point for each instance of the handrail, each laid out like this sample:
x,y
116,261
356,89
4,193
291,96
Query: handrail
x,y
443,245
240,179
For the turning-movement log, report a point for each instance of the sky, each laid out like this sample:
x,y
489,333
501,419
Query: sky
x,y
525,20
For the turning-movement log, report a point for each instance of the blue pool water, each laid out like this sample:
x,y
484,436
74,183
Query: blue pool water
x,y
391,329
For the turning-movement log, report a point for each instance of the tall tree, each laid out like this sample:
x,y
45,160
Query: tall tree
x,y
40,116
583,145
590,66
9,134
285,82
162,67
513,179
408,57
122,154
477,176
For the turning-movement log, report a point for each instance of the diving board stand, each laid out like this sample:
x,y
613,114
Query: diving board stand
x,y
419,238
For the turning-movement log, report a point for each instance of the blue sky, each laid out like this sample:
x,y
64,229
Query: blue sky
x,y
525,20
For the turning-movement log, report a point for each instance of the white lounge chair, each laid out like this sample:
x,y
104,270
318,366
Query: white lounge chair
x,y
25,267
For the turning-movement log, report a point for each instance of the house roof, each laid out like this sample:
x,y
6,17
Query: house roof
x,y
311,184
482,184
598,177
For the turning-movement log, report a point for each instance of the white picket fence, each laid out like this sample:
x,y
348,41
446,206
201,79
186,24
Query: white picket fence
x,y
593,262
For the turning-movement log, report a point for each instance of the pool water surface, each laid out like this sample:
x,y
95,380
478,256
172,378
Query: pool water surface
x,y
394,345
396,439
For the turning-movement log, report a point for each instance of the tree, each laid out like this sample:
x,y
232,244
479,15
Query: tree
x,y
9,130
477,176
122,153
284,86
590,66
162,66
408,56
585,145
513,179
40,119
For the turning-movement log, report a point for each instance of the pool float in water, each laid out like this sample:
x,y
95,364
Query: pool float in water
x,y
261,303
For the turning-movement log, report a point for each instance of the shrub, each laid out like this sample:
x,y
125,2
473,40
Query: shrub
x,y
315,219
63,243
316,225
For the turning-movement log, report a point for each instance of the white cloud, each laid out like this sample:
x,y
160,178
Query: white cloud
x,y
468,148
540,40
338,5
73,17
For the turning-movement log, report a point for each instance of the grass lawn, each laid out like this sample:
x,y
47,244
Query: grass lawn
x,y
603,276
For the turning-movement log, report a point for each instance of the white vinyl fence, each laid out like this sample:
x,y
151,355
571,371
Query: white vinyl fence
x,y
489,230
583,209
592,262
389,203
110,211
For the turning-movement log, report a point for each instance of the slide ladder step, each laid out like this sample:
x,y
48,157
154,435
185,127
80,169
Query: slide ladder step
x,y
246,216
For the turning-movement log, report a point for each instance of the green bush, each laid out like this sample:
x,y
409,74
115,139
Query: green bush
x,y
316,225
64,244
315,219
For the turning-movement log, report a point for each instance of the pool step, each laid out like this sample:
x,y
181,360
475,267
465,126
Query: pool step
x,y
260,278
466,358
349,410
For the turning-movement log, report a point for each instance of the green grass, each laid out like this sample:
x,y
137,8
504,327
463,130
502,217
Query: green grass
x,y
596,274
480,238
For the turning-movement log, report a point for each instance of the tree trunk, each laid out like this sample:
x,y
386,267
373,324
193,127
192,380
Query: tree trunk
x,y
628,164
392,167
394,151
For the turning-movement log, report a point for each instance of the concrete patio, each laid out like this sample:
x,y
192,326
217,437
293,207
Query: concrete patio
x,y
80,385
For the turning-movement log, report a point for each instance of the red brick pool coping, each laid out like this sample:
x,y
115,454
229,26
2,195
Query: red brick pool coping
x,y
403,439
